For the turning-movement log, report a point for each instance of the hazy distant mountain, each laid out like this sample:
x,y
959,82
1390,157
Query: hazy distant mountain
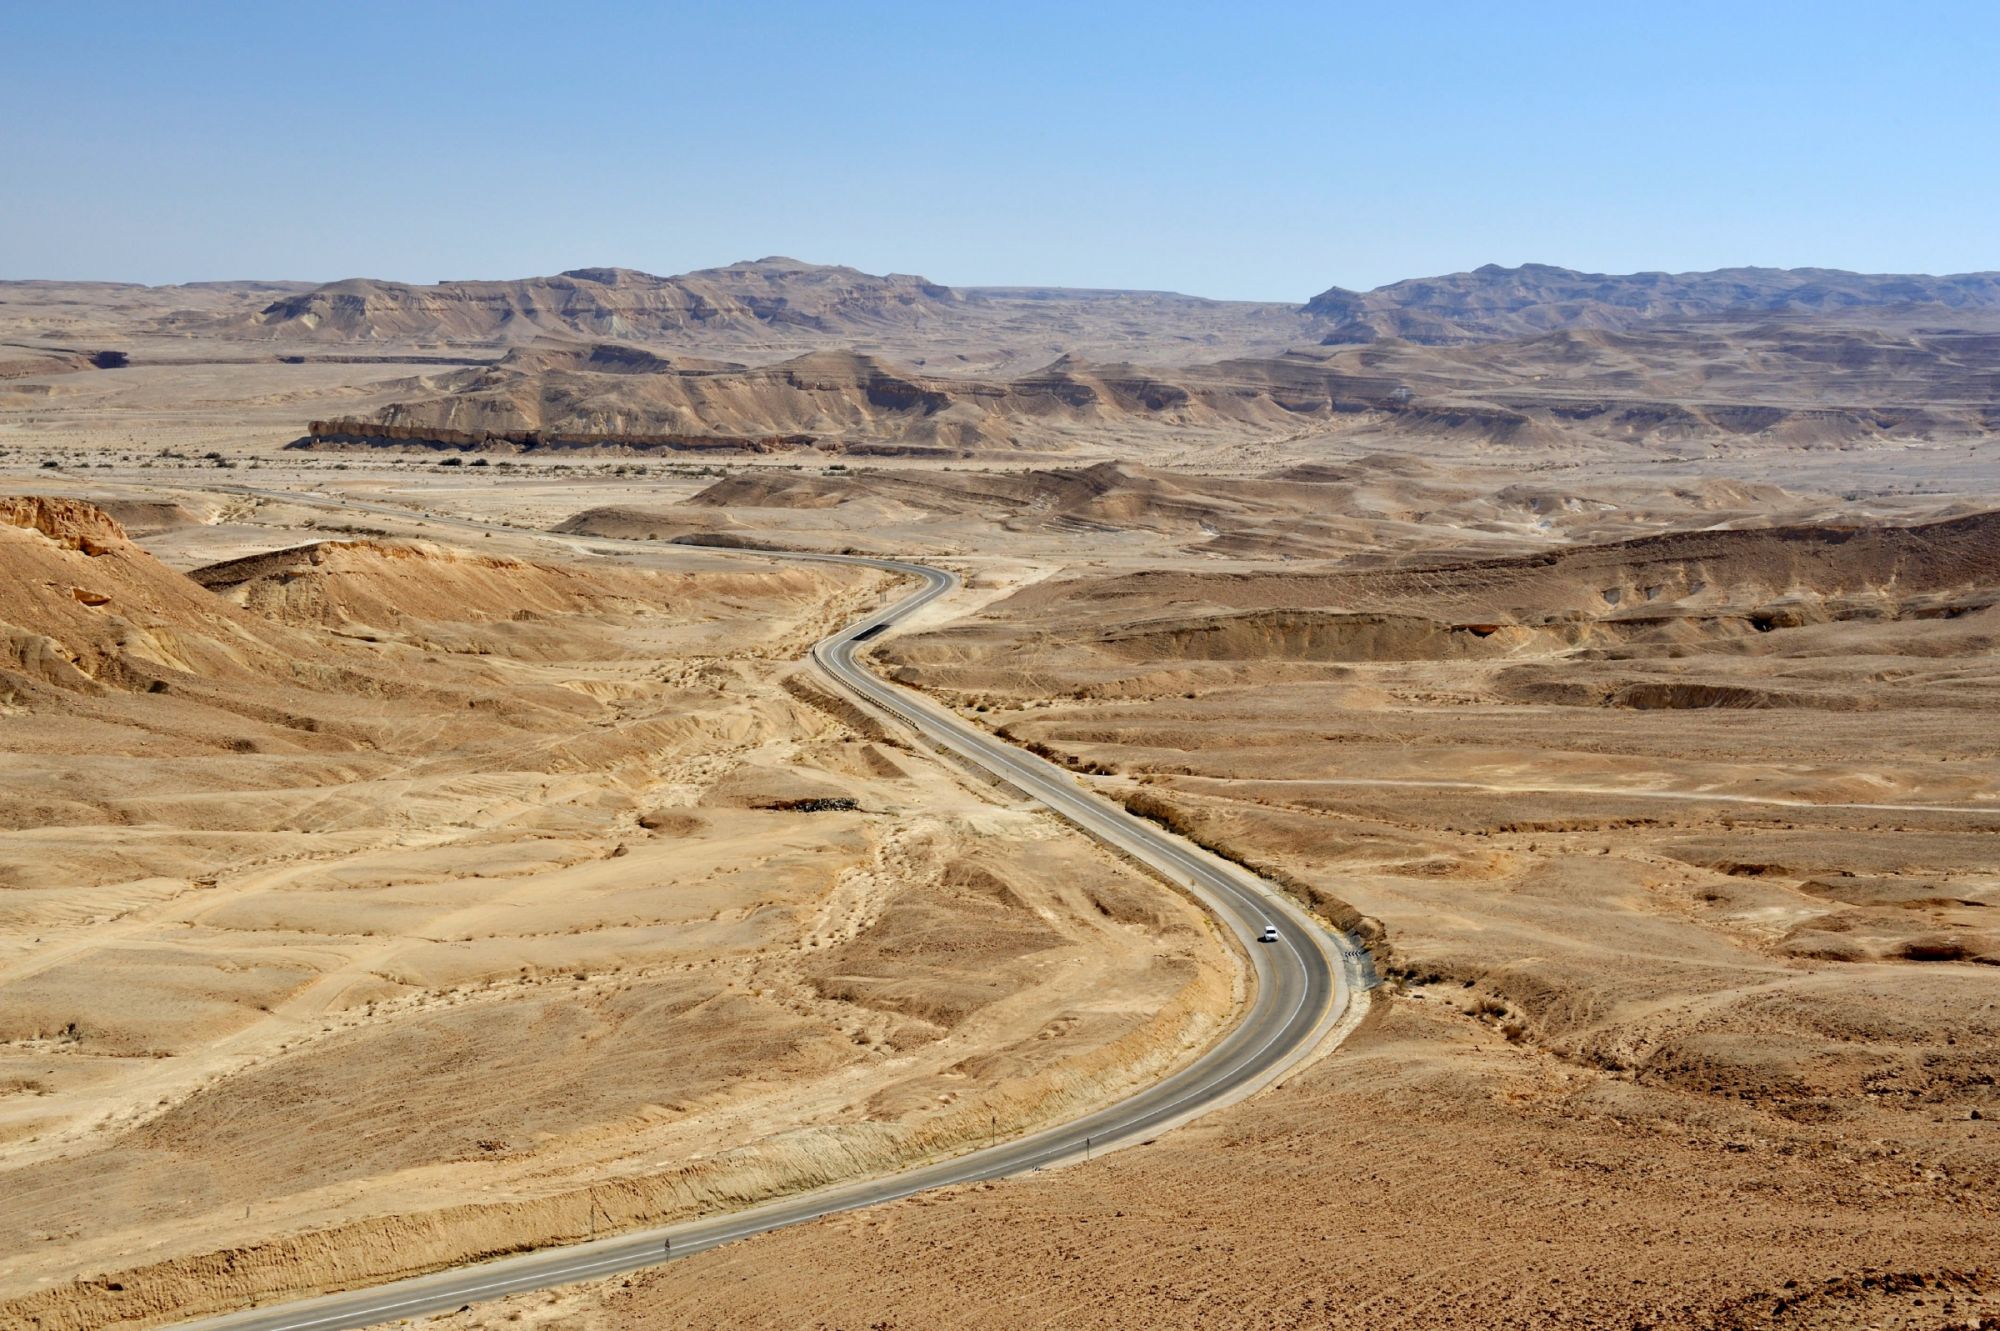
x,y
782,301
1494,302
778,309
743,298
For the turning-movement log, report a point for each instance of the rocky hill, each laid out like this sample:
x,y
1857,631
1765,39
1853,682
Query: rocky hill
x,y
1787,381
616,397
83,610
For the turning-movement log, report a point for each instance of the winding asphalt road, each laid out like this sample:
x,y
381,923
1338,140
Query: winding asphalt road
x,y
1304,988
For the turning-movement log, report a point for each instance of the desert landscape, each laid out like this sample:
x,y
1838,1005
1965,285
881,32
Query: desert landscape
x,y
427,837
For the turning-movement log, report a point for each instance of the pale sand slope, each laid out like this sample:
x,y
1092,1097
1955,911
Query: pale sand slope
x,y
378,905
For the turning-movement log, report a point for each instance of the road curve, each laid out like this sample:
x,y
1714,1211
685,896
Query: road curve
x,y
1305,983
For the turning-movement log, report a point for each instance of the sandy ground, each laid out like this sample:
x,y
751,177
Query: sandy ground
x,y
1431,1175
391,903
1692,1019
1680,861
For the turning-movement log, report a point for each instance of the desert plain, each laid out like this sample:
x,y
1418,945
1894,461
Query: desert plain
x,y
423,838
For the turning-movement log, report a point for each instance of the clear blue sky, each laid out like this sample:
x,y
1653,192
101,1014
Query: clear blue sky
x,y
1233,149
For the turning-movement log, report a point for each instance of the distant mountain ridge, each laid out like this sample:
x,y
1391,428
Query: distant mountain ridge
x,y
1492,302
743,302
778,308
607,302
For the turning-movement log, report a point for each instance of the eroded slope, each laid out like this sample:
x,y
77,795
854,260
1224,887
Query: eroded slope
x,y
367,906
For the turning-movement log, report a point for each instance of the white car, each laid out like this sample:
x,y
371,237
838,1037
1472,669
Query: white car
x,y
1270,934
